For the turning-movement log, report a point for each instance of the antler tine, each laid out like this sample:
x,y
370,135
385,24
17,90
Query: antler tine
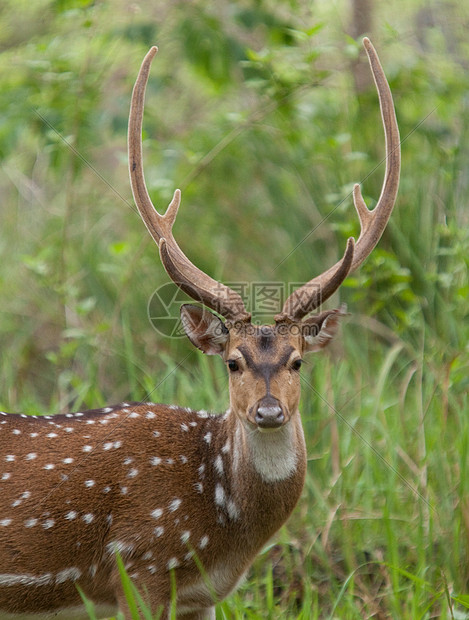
x,y
155,222
185,275
372,223
311,295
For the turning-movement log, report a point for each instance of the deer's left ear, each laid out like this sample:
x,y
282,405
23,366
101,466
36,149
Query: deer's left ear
x,y
319,330
204,329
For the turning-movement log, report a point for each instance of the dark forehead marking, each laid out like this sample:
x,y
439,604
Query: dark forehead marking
x,y
268,367
266,338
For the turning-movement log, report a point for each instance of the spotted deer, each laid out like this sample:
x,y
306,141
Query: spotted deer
x,y
187,498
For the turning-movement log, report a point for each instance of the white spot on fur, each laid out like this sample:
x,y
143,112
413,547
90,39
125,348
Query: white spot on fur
x,y
219,465
68,574
220,496
121,547
233,511
174,505
25,579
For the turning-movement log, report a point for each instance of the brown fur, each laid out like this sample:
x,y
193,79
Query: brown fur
x,y
57,543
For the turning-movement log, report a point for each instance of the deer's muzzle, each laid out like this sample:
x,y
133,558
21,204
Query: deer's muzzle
x,y
269,413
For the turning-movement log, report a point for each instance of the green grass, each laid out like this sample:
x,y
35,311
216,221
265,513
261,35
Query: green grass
x,y
265,134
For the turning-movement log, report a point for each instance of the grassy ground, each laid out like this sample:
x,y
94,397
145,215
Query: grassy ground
x,y
253,112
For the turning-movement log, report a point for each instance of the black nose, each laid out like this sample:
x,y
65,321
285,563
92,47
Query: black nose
x,y
269,414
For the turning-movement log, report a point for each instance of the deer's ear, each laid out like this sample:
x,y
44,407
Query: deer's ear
x,y
204,329
319,330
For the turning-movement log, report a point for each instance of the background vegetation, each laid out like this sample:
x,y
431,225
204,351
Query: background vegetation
x,y
262,112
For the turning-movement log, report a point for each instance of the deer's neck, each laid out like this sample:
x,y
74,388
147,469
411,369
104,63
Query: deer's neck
x,y
274,456
265,475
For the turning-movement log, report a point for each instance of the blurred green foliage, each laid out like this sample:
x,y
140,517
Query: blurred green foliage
x,y
253,110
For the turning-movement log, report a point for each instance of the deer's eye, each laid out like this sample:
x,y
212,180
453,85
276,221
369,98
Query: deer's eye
x,y
296,365
233,365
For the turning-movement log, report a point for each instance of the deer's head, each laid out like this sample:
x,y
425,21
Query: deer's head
x,y
263,361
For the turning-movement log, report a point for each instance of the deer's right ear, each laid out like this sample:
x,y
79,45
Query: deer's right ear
x,y
204,329
319,330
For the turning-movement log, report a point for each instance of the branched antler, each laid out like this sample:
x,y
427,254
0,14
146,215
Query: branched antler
x,y
372,223
311,295
185,274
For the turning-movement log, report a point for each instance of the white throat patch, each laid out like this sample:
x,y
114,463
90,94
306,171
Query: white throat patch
x,y
275,453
